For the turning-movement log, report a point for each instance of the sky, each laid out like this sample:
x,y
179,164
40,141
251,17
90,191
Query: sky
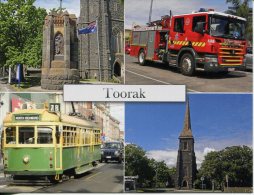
x,y
73,6
117,111
217,121
137,11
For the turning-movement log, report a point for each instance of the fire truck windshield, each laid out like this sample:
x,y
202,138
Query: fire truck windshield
x,y
225,27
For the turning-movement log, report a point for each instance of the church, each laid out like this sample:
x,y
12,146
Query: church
x,y
186,167
108,60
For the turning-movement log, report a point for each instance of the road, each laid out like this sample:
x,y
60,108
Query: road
x,y
159,74
105,178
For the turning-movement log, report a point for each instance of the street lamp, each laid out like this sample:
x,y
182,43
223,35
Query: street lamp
x,y
156,174
202,179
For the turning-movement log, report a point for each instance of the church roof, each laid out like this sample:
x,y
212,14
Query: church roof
x,y
186,132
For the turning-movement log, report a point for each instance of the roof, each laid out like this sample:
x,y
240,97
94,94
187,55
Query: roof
x,y
186,132
214,13
78,121
47,116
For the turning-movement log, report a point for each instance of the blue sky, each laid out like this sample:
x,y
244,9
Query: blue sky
x,y
137,11
218,121
73,6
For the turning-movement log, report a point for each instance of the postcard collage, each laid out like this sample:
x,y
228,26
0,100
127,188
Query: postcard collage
x,y
203,144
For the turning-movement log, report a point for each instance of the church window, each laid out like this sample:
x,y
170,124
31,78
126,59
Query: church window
x,y
117,41
185,145
185,171
115,7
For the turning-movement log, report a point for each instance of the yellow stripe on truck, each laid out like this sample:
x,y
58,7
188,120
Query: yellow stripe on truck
x,y
196,44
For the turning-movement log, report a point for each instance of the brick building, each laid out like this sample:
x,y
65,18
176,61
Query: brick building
x,y
110,16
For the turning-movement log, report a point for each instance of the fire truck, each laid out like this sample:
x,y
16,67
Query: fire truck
x,y
205,40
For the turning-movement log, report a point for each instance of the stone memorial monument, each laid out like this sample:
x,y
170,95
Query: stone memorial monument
x,y
60,51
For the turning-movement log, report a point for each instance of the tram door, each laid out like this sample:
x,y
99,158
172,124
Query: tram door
x,y
58,149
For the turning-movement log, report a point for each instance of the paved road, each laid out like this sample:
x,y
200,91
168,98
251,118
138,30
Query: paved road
x,y
105,178
159,74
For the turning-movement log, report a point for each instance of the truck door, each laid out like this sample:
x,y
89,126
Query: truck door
x,y
177,35
150,45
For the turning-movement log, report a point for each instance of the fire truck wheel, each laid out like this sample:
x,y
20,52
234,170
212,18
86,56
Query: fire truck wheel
x,y
187,65
141,57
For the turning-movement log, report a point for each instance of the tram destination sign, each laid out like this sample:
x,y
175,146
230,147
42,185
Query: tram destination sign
x,y
34,117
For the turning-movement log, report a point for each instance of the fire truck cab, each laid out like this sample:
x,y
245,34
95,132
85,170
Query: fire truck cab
x,y
204,40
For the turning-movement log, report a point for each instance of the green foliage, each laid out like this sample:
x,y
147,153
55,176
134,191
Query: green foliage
x,y
138,164
121,1
241,8
150,172
235,161
21,26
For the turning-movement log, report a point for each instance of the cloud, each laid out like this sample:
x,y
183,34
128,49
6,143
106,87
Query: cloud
x,y
72,6
170,156
207,150
117,111
219,142
138,11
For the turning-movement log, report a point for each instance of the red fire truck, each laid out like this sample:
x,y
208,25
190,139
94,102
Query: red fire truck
x,y
204,40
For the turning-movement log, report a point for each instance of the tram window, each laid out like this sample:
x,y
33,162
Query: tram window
x,y
26,135
44,135
10,135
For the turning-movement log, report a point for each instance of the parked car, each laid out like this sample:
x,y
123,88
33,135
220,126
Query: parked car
x,y
249,58
112,151
127,48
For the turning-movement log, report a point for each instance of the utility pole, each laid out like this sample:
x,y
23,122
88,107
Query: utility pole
x,y
151,11
61,5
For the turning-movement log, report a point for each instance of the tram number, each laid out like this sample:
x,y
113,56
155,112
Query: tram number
x,y
54,107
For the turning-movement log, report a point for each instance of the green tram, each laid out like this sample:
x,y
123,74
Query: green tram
x,y
39,143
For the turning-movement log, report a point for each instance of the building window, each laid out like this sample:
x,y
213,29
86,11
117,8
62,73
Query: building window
x,y
179,25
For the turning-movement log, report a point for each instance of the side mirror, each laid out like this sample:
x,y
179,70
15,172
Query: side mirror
x,y
200,28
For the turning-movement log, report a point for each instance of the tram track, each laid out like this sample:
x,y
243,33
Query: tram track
x,y
34,185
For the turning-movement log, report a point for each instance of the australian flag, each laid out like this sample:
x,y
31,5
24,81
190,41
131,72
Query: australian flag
x,y
91,28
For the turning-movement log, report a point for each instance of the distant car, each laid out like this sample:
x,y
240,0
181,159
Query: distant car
x,y
249,58
127,48
112,151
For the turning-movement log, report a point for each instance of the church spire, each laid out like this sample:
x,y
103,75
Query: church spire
x,y
186,132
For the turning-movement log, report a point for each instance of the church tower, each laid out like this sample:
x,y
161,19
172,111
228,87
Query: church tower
x,y
99,62
186,167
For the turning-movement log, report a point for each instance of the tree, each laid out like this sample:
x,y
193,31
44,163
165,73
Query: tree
x,y
241,8
235,161
136,163
150,172
21,26
164,176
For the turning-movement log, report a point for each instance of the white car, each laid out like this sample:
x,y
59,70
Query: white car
x,y
249,58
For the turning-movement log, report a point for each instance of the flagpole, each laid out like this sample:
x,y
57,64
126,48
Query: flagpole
x,y
99,57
